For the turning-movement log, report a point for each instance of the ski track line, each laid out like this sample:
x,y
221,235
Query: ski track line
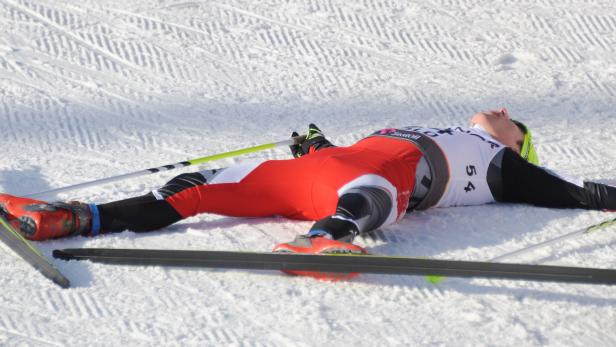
x,y
312,33
34,79
180,30
442,112
237,54
365,38
81,133
583,153
264,18
78,304
230,302
25,8
216,333
49,44
181,298
306,46
583,326
143,331
145,55
77,128
563,55
22,329
591,30
15,67
74,128
27,339
593,24
600,86
402,293
123,105
495,305
541,24
373,27
439,108
224,80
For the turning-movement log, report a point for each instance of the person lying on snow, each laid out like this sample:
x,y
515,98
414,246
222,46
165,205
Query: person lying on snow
x,y
346,190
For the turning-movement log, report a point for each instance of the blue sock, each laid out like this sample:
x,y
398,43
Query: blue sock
x,y
96,220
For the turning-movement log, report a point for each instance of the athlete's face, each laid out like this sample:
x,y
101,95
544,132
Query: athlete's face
x,y
498,124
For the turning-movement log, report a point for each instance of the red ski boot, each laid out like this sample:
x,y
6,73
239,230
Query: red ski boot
x,y
39,220
319,245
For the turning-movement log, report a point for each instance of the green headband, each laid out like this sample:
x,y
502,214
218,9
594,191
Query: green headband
x,y
527,151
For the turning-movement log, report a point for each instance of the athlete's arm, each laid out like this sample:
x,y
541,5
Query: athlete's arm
x,y
359,210
526,183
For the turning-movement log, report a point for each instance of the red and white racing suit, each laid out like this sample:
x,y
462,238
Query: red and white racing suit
x,y
349,190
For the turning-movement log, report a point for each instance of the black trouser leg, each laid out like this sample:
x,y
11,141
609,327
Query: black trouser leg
x,y
143,213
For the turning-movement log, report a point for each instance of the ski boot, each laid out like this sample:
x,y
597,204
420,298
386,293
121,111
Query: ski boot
x,y
39,220
319,245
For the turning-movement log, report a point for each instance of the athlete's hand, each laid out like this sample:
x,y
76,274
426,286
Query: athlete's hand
x,y
315,141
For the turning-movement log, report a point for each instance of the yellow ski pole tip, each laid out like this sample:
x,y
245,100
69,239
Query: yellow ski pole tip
x,y
435,279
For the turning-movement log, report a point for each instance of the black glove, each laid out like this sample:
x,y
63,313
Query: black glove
x,y
315,141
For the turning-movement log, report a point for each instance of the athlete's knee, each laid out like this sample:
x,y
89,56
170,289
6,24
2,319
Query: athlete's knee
x,y
360,209
369,207
179,184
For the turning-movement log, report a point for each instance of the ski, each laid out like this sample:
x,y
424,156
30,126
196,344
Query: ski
x,y
339,264
28,252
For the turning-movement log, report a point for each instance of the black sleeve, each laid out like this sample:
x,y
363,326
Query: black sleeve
x,y
522,182
359,210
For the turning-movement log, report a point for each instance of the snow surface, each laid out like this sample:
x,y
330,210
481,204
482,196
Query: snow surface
x,y
90,89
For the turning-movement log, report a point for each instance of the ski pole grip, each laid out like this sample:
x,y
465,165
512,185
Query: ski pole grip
x,y
298,139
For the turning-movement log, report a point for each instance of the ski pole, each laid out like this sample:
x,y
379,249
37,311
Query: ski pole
x,y
434,279
289,142
568,236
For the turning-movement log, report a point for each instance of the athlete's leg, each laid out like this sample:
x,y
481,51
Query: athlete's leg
x,y
278,187
275,187
142,213
306,188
